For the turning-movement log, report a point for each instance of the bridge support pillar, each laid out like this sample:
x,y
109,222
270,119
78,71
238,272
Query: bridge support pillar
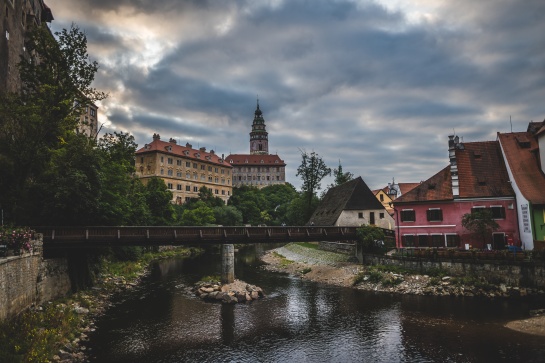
x,y
227,264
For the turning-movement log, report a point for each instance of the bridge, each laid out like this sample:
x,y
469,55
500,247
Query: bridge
x,y
104,236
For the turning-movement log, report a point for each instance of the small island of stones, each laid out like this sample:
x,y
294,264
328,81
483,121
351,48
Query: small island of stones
x,y
236,292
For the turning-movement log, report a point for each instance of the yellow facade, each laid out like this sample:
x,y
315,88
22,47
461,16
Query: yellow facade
x,y
184,170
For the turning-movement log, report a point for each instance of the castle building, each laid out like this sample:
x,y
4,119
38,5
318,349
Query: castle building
x,y
18,17
184,169
258,168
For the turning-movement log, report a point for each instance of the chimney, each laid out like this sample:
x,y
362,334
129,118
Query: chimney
x,y
452,145
156,137
188,145
172,141
202,149
212,152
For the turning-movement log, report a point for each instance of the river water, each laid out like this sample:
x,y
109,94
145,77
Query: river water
x,y
301,321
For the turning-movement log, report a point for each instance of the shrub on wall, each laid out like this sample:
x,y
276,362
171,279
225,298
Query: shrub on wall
x,y
16,238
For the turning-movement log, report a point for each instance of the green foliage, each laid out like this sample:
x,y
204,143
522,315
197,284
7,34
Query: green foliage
x,y
278,198
158,198
311,245
312,170
305,271
480,222
36,124
213,279
228,216
199,215
367,235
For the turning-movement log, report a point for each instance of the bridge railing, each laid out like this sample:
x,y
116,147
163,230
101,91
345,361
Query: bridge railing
x,y
150,235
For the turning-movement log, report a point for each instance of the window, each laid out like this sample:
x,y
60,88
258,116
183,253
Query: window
x,y
437,240
477,209
453,240
381,197
187,164
408,215
423,240
195,166
498,212
142,160
178,174
209,168
92,111
195,189
210,179
188,175
381,215
162,171
203,177
435,214
187,188
178,162
216,191
222,171
360,215
162,159
195,176
187,199
223,192
179,187
408,240
215,170
169,186
203,167
169,172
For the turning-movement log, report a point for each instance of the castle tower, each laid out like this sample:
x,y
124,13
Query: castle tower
x,y
259,138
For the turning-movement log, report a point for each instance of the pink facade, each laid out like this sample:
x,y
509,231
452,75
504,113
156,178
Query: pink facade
x,y
445,227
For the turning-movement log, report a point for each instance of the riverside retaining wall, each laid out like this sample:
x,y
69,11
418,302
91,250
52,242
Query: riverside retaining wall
x,y
29,279
347,248
513,273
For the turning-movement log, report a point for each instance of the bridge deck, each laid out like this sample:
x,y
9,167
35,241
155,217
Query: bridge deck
x,y
149,236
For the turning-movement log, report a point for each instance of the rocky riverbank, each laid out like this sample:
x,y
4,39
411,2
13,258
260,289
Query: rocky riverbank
x,y
335,269
236,292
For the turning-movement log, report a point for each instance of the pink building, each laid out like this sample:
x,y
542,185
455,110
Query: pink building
x,y
430,215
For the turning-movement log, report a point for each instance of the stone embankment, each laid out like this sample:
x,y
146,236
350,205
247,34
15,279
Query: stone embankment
x,y
237,292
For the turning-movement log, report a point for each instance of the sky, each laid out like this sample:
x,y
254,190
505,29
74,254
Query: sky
x,y
376,86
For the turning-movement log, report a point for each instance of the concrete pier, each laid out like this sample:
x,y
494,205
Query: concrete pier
x,y
227,264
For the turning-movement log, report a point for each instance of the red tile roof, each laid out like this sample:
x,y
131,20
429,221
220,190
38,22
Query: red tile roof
x,y
482,171
436,188
186,152
406,187
481,174
247,159
524,165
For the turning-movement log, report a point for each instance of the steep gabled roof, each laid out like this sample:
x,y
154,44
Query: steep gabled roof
x,y
248,159
407,187
519,149
352,195
482,171
436,188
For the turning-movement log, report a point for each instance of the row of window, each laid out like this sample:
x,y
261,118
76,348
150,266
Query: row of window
x,y
189,164
436,214
203,177
431,240
261,169
258,177
195,188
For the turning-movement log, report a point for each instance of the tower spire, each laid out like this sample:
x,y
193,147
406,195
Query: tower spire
x,y
259,139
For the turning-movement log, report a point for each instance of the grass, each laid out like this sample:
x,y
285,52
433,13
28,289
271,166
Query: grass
x,y
211,279
311,245
283,260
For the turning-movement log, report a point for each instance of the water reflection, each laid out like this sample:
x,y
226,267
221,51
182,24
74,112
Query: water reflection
x,y
301,321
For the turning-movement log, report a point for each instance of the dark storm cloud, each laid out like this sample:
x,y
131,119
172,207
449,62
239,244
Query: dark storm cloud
x,y
350,80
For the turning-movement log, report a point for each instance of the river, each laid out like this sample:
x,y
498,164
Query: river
x,y
302,321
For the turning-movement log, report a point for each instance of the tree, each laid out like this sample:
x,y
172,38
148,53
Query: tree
x,y
312,170
158,199
278,198
481,223
369,236
340,176
39,121
199,215
228,216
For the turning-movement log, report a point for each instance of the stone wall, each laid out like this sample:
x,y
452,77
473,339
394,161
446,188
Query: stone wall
x,y
513,273
348,248
29,279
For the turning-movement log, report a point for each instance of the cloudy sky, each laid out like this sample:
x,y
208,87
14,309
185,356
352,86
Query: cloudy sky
x,y
378,85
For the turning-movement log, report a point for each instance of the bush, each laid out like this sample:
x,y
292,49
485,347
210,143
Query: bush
x,y
16,238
